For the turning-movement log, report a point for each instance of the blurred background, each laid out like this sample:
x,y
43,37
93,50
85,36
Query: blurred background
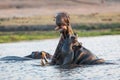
x,y
25,24
33,19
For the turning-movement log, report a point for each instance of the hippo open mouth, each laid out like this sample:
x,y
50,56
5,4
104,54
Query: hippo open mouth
x,y
61,28
62,21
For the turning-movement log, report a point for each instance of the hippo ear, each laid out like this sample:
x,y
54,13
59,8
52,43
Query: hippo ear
x,y
76,34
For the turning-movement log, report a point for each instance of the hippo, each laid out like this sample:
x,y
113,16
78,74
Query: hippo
x,y
84,56
63,26
75,53
78,54
34,55
40,55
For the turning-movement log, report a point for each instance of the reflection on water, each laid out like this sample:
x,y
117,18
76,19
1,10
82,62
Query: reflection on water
x,y
107,47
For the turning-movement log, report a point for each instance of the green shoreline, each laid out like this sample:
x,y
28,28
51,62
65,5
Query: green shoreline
x,y
42,27
39,35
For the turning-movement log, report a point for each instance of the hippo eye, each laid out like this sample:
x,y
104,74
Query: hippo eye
x,y
73,37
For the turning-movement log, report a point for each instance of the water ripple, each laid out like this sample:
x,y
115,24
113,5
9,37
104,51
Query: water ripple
x,y
107,47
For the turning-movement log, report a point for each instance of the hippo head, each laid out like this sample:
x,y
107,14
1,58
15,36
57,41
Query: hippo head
x,y
48,55
68,43
73,39
62,21
39,55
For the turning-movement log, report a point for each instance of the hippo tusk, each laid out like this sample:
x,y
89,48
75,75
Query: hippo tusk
x,y
42,63
43,58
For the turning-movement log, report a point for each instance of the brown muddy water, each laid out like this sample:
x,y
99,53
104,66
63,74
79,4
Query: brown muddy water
x,y
107,47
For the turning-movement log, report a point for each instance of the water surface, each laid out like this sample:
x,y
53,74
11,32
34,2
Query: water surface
x,y
107,47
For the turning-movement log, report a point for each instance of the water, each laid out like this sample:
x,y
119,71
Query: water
x,y
107,47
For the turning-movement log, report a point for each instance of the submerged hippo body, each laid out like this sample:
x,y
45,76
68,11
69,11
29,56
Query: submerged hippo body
x,y
33,55
84,56
14,58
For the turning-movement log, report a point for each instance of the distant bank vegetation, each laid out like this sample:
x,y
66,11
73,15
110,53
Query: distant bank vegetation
x,y
42,27
81,27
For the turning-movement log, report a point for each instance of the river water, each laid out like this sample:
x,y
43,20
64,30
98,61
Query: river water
x,y
107,47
